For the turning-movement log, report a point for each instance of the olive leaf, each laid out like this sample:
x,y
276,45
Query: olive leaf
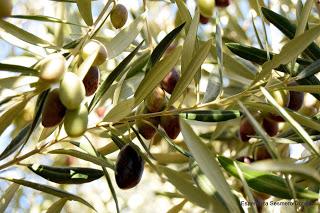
x,y
8,195
49,190
84,7
265,182
66,175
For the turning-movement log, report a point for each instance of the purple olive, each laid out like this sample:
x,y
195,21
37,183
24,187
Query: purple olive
x,y
170,81
170,123
270,126
246,129
261,153
129,168
222,3
203,19
53,110
91,80
296,99
146,130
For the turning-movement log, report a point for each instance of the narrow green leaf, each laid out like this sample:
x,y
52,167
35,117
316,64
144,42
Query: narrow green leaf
x,y
16,142
66,175
7,196
163,45
112,77
83,156
44,19
256,55
192,193
310,70
19,69
84,7
246,188
49,190
200,55
287,28
265,182
156,74
287,166
209,165
233,65
119,111
190,43
289,51
177,208
24,35
184,13
211,115
57,206
9,115
303,19
125,37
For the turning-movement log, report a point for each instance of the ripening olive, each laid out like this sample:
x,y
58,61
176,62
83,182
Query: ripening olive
x,y
206,7
146,130
203,20
91,47
71,91
222,3
5,8
261,153
270,126
76,121
170,81
129,167
119,16
52,68
171,124
53,110
91,80
246,129
296,99
156,100
282,97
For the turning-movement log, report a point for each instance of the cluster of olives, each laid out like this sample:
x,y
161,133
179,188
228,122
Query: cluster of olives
x,y
5,8
207,7
291,100
66,102
156,102
129,167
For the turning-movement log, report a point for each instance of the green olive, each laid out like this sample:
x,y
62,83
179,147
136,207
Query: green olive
x,y
282,97
206,7
119,16
72,91
5,8
76,121
90,48
52,68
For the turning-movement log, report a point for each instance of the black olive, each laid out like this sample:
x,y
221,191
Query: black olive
x,y
129,168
